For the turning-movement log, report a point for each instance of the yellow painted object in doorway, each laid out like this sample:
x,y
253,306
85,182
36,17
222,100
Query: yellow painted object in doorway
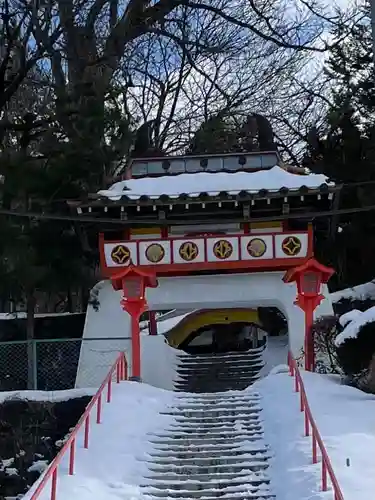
x,y
205,317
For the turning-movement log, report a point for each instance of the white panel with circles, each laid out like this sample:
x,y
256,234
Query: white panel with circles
x,y
154,253
228,248
261,245
199,257
295,240
114,255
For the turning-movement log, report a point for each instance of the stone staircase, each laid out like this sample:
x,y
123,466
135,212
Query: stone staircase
x,y
208,373
213,448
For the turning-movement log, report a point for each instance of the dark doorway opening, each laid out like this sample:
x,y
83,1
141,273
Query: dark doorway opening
x,y
220,338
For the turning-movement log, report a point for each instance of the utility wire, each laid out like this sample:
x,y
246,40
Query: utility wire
x,y
103,220
96,220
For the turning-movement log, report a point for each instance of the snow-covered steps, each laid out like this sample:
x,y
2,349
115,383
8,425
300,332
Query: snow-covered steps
x,y
213,448
209,373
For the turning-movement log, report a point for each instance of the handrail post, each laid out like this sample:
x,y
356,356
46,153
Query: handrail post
x,y
118,365
99,409
307,425
87,431
324,475
122,368
314,447
109,389
54,485
72,456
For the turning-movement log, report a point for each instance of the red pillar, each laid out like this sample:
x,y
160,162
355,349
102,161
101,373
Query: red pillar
x,y
152,325
136,347
309,342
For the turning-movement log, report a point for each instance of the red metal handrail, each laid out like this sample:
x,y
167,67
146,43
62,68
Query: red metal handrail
x,y
120,370
311,428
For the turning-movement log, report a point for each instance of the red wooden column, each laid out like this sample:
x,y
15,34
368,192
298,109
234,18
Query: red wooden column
x,y
133,283
152,324
309,278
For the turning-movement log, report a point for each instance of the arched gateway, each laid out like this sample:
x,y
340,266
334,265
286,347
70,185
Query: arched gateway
x,y
229,231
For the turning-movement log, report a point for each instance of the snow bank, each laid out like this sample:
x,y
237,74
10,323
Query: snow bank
x,y
50,396
275,354
346,420
114,466
354,325
359,292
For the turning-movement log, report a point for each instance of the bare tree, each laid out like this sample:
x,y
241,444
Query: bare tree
x,y
230,68
163,51
20,55
175,61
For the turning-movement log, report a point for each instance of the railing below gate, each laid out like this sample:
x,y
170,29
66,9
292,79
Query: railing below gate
x,y
312,429
119,371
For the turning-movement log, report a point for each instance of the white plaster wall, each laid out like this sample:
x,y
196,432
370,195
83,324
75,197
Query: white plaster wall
x,y
325,308
188,292
110,322
158,362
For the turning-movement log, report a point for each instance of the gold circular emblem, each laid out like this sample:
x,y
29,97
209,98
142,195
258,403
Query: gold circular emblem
x,y
188,251
291,245
256,247
155,253
120,254
223,249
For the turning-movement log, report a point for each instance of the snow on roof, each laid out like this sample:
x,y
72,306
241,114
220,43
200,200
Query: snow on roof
x,y
353,326
213,183
359,292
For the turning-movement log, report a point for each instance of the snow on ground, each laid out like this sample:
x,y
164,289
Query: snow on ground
x,y
275,353
113,468
346,420
50,396
354,324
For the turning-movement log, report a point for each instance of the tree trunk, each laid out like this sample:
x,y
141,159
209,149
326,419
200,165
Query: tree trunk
x,y
31,351
371,376
69,300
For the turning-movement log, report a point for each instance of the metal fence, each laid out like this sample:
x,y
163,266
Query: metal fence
x,y
47,365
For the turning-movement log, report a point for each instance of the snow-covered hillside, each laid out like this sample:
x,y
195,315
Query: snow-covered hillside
x,y
346,420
